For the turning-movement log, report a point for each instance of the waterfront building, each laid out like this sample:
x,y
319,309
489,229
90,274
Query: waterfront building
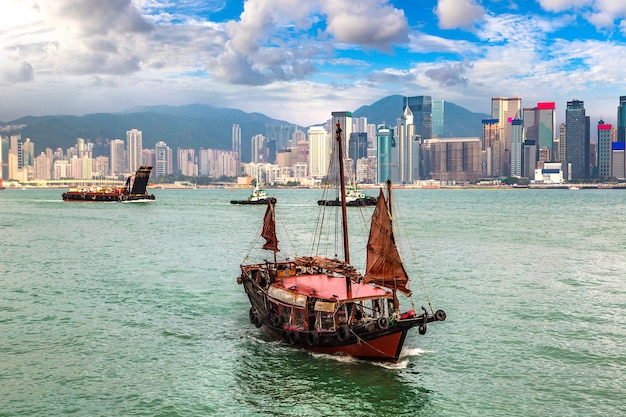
x,y
438,106
577,138
134,147
384,144
454,159
618,160
549,173
604,149
344,119
621,119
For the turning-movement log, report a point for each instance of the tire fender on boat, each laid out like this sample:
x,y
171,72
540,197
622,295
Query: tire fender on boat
x,y
383,322
440,315
343,333
251,314
258,320
293,337
422,329
312,338
276,320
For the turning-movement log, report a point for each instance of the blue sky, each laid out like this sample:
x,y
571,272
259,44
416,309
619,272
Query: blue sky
x,y
298,60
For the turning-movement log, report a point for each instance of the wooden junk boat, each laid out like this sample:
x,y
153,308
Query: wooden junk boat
x,y
133,191
324,304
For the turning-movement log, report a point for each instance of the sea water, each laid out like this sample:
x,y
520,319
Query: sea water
x,y
110,309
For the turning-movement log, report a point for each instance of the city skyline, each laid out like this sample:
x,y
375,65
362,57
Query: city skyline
x,y
296,60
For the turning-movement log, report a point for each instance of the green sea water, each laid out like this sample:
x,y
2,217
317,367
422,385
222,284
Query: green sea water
x,y
133,309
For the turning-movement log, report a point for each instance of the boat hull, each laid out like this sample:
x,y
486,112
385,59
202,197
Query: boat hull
x,y
262,201
373,340
105,197
361,202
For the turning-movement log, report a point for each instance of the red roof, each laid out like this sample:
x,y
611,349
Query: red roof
x,y
330,287
546,106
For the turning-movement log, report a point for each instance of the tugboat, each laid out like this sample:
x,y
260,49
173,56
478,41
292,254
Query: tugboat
x,y
258,196
133,191
354,198
324,304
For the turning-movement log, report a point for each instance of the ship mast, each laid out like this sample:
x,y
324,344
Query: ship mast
x,y
344,214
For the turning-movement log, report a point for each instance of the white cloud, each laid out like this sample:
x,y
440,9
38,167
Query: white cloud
x,y
454,14
370,23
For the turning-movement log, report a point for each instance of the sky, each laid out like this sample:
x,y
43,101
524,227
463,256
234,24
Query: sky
x,y
299,60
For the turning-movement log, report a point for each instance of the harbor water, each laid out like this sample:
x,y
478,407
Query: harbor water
x,y
111,309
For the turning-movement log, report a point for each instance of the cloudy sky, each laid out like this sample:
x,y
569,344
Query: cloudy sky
x,y
298,60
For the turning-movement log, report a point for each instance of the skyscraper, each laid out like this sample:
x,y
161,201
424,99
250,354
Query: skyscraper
x,y
415,127
517,132
161,159
134,147
438,106
344,120
604,149
319,151
546,118
621,119
577,139
117,157
236,142
384,143
505,109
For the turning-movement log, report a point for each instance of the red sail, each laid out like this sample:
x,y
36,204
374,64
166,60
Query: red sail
x,y
269,230
384,266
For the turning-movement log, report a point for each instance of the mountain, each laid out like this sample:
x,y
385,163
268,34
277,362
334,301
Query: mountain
x,y
458,121
200,126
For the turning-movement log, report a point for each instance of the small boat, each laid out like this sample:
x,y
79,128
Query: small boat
x,y
354,198
258,196
323,304
133,192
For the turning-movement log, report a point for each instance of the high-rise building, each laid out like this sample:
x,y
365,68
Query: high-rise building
x,y
117,157
415,127
343,119
618,160
161,161
319,151
505,109
491,135
134,147
236,142
546,118
454,159
438,106
259,151
577,139
604,149
517,132
621,119
562,142
384,143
